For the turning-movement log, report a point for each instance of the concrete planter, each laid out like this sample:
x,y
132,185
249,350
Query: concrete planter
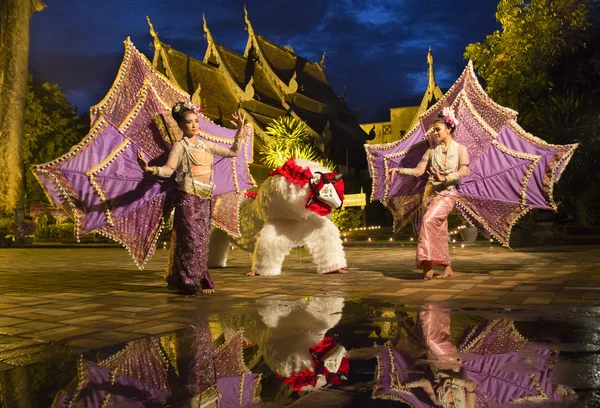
x,y
468,234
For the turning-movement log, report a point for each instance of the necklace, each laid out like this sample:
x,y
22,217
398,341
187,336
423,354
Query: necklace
x,y
196,145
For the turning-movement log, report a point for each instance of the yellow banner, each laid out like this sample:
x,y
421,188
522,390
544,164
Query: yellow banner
x,y
355,200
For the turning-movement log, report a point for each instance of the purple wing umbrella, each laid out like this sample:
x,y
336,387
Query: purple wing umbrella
x,y
100,181
511,173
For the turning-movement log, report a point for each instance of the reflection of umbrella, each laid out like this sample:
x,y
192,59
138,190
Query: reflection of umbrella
x,y
495,358
512,171
143,375
100,179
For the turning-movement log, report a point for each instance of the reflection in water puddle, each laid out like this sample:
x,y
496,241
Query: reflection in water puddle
x,y
331,352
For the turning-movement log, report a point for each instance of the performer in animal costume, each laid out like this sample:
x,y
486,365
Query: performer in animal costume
x,y
289,211
292,339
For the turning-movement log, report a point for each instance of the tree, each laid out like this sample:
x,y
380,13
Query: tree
x,y
51,128
545,63
517,62
14,54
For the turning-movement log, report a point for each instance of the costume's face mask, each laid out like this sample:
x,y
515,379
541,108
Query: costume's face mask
x,y
323,189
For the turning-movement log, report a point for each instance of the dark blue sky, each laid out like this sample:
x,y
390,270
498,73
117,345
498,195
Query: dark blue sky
x,y
377,48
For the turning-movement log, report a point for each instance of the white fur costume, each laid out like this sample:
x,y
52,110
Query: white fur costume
x,y
277,221
286,330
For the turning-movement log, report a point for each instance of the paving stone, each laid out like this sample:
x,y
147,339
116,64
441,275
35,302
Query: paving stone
x,y
111,297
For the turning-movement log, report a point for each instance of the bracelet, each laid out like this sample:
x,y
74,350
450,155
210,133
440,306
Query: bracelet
x,y
452,177
154,170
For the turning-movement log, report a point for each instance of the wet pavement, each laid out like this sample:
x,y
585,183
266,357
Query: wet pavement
x,y
330,352
64,308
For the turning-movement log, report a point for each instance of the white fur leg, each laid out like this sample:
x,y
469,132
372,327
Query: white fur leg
x,y
325,246
270,251
217,248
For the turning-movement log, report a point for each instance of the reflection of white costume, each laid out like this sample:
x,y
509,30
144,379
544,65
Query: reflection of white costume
x,y
285,331
289,211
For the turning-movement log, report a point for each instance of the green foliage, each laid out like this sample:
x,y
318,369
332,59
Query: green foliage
x,y
55,231
6,226
51,129
517,61
290,137
346,219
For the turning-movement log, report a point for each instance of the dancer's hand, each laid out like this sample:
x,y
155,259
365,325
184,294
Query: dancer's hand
x,y
390,173
142,162
439,176
239,121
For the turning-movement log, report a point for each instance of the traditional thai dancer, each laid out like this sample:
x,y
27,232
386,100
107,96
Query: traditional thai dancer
x,y
446,164
192,160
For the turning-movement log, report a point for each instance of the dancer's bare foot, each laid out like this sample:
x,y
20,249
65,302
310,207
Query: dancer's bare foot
x,y
343,270
428,270
448,273
252,273
208,291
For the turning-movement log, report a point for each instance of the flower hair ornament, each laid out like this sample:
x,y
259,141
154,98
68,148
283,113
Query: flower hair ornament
x,y
182,107
449,117
186,106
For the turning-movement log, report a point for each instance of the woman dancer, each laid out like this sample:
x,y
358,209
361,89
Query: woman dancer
x,y
446,164
192,159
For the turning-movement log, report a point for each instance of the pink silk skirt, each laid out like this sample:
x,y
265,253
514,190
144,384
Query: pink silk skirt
x,y
433,234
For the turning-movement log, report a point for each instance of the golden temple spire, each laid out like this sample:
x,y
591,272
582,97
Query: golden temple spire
x,y
206,30
431,83
248,23
154,35
322,63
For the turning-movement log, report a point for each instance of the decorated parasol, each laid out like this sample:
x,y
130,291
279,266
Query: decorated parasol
x,y
511,171
99,181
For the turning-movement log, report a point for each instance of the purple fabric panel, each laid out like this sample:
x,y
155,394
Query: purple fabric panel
x,y
222,166
489,373
535,196
402,368
223,176
229,388
74,171
51,189
410,160
249,388
126,187
471,133
544,375
495,176
128,392
98,385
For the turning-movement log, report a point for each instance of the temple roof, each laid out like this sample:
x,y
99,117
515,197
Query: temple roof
x,y
243,69
310,76
282,61
217,101
267,82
